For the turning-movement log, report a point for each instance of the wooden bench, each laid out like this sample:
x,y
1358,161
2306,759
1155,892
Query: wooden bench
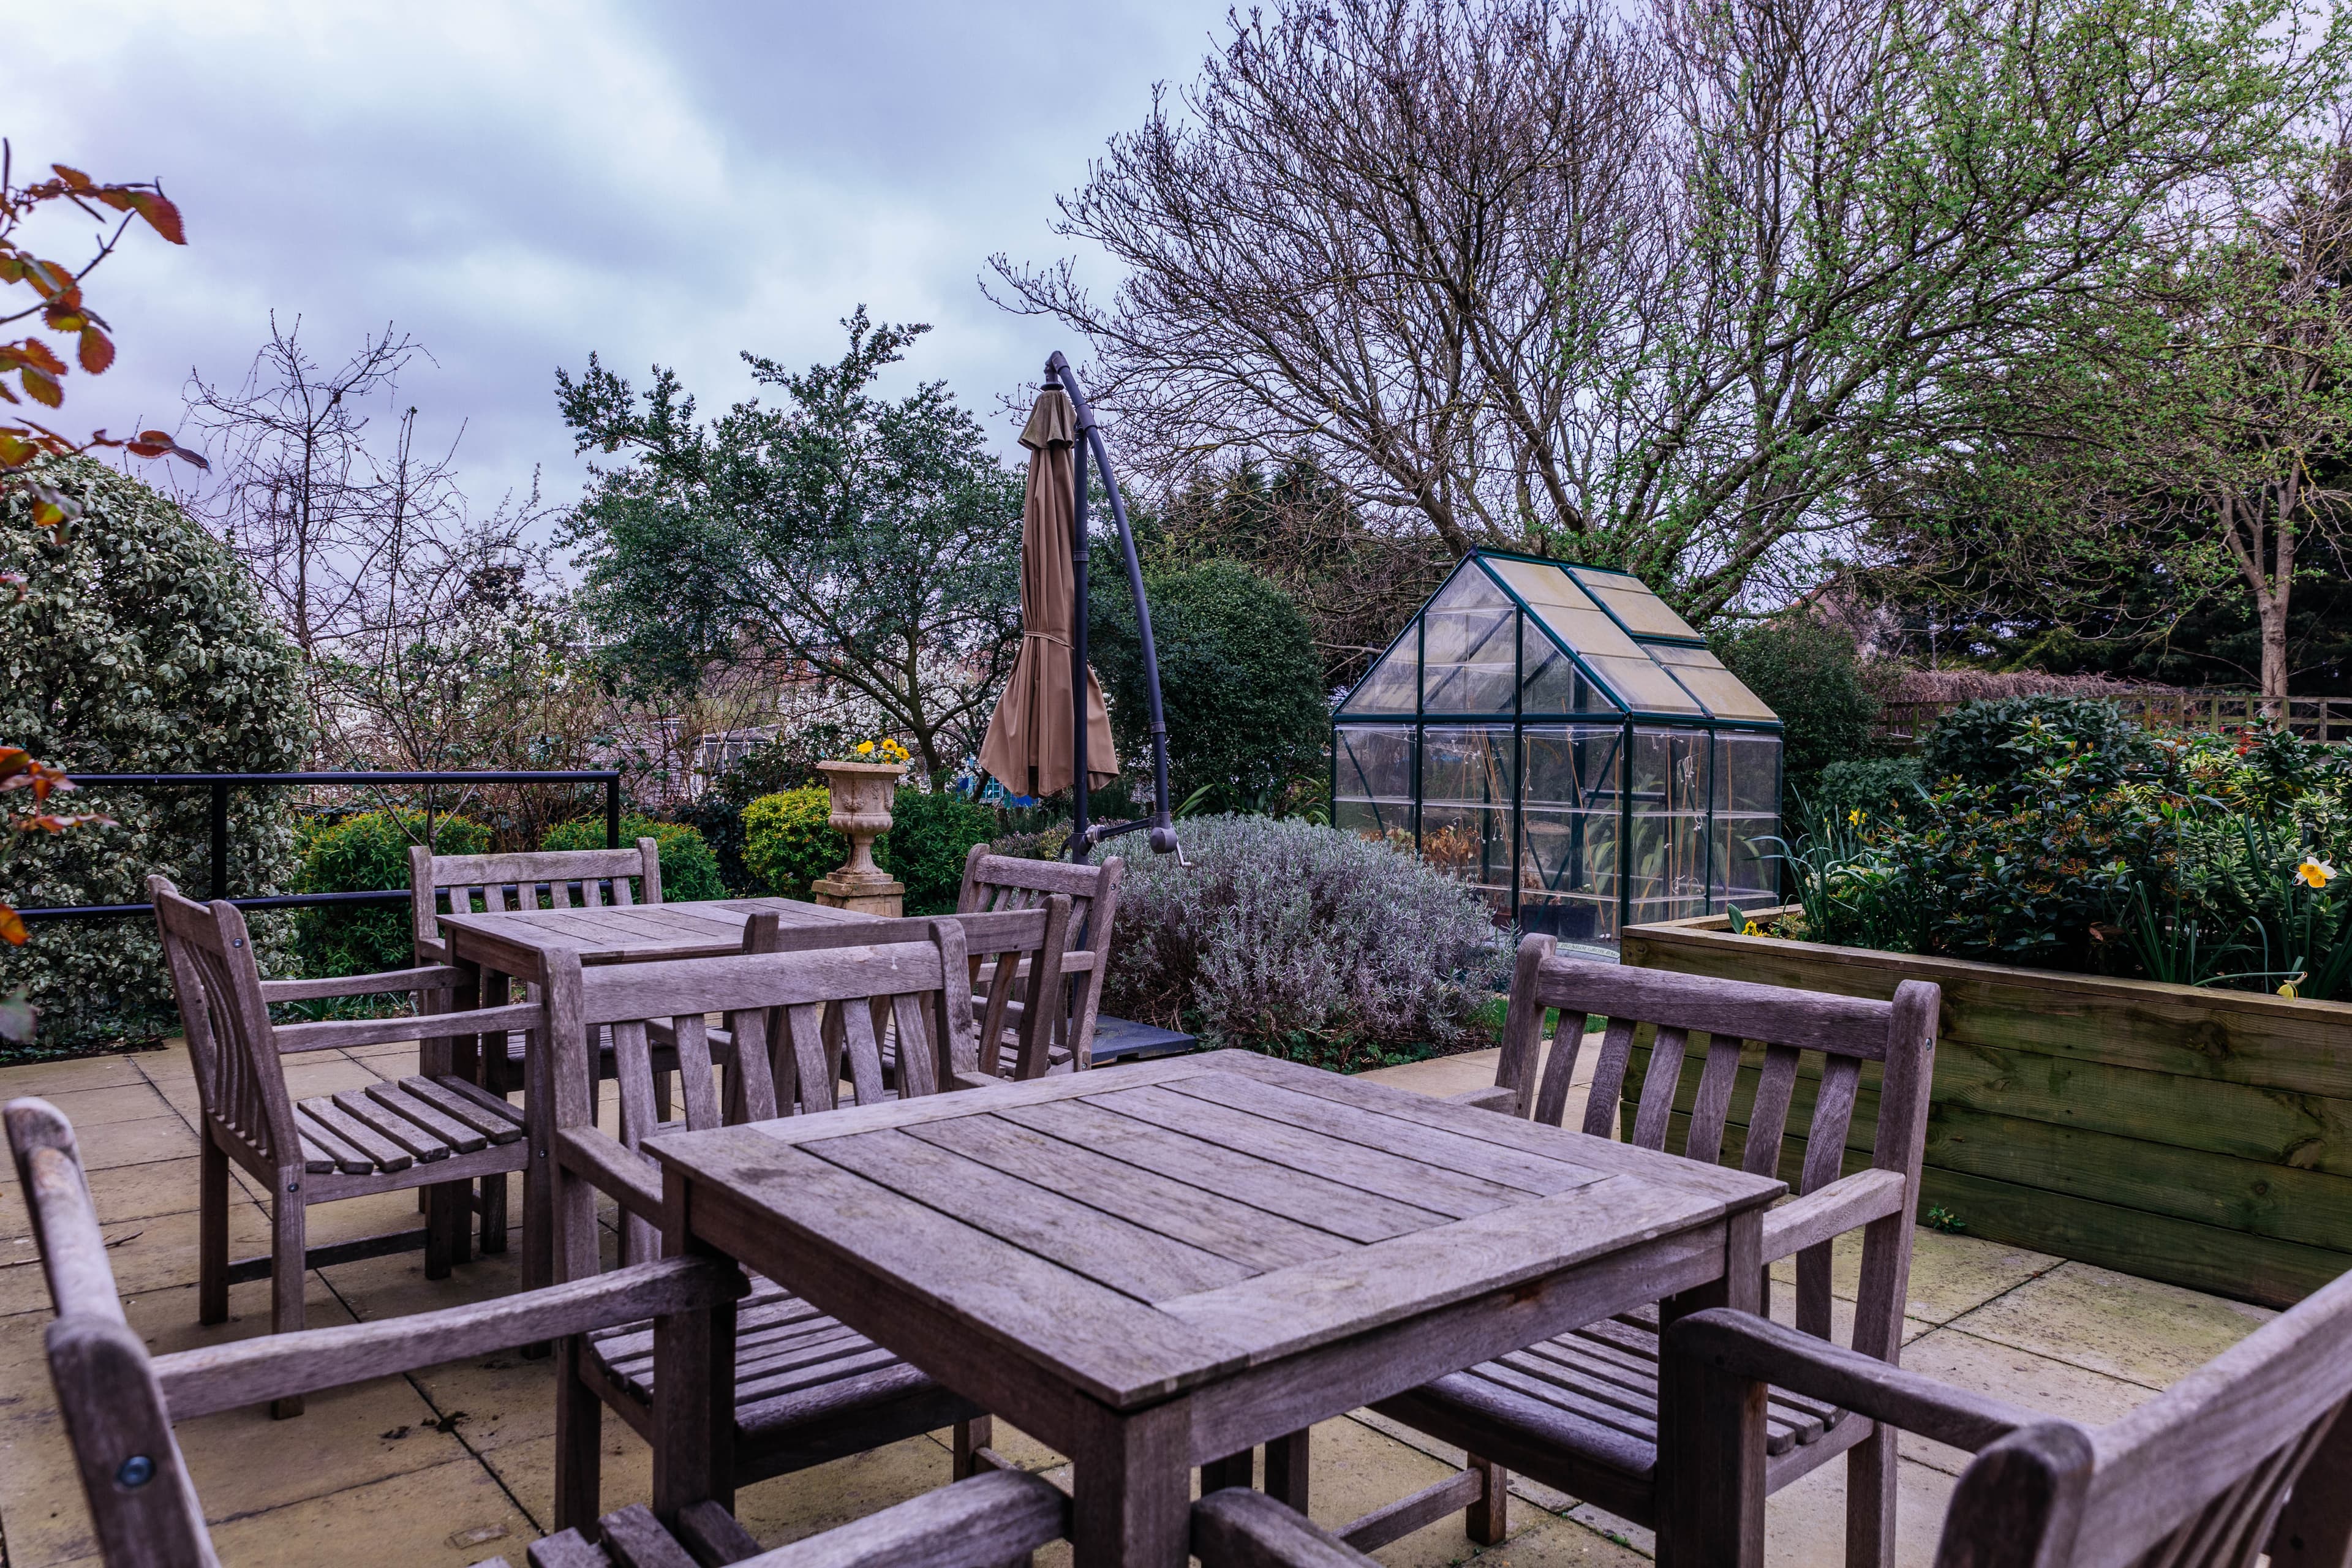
x,y
1582,1411
118,1403
434,1131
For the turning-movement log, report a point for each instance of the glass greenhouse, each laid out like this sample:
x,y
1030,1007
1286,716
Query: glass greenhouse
x,y
1557,737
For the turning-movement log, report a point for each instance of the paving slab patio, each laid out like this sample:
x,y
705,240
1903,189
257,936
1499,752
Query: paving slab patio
x,y
454,1463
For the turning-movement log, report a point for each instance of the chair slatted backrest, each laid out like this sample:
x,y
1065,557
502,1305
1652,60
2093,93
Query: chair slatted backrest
x,y
2250,1452
1756,1040
216,981
1033,939
143,1502
918,991
1002,882
503,884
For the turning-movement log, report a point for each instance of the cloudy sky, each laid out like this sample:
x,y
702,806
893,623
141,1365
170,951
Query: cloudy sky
x,y
519,182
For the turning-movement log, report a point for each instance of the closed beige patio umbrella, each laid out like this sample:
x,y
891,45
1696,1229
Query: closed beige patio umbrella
x,y
1028,745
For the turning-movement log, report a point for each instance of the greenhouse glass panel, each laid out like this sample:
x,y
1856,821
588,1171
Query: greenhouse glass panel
x,y
1722,693
1569,821
1372,793
1670,783
1550,683
1393,685
1567,609
1747,815
1465,807
1627,597
1469,647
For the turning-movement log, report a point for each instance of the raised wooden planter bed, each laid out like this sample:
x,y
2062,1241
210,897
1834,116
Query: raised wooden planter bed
x,y
2202,1138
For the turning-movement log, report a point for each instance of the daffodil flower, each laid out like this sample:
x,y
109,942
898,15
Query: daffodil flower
x,y
1751,929
1856,817
2315,873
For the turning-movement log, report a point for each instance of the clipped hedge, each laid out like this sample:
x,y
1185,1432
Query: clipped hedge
x,y
363,853
787,843
689,870
139,645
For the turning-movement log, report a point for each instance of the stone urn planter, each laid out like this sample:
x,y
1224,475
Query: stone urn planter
x,y
861,794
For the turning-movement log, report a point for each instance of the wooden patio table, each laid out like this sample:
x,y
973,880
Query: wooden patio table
x,y
1169,1265
498,951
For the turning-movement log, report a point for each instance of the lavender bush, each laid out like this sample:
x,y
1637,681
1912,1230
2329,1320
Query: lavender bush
x,y
1303,942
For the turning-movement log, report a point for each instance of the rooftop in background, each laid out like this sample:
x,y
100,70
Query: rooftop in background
x,y
1513,636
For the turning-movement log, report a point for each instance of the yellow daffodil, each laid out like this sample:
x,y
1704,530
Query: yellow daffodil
x,y
1751,929
1856,817
2315,873
2288,990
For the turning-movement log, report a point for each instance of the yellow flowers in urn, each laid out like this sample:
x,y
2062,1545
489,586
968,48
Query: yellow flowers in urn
x,y
883,749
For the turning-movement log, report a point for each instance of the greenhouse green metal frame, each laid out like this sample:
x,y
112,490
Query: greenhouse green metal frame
x,y
1687,759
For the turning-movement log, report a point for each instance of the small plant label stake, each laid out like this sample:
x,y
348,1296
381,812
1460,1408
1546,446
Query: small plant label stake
x,y
862,787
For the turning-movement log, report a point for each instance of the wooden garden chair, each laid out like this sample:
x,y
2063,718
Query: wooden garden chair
x,y
807,1390
1580,1412
2250,1454
997,882
1014,1039
119,1403
436,1131
500,884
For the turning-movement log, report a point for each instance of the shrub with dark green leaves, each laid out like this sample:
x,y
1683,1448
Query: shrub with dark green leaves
x,y
139,644
1303,942
689,869
1875,786
364,853
788,843
1240,681
1996,741
1811,675
930,836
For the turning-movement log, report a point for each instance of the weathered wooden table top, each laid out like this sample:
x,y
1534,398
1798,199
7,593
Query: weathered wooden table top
x,y
634,933
1143,1231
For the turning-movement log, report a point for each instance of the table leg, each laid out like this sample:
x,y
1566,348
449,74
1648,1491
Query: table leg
x,y
539,1174
1285,1469
448,1205
1711,1429
1132,1489
497,990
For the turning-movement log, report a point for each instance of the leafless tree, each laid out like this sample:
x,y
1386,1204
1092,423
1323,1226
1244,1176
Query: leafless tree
x,y
1657,285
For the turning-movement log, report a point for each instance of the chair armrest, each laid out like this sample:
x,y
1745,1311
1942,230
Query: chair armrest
x,y
1493,1097
611,1169
1237,1528
1847,1203
994,1518
435,977
347,1032
227,1377
1741,1344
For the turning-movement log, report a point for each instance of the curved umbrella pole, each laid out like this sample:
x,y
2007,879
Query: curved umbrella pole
x,y
1162,822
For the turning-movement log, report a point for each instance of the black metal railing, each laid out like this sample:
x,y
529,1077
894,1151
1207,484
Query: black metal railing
x,y
221,784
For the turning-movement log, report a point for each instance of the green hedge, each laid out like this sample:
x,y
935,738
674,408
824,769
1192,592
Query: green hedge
x,y
788,844
364,853
689,869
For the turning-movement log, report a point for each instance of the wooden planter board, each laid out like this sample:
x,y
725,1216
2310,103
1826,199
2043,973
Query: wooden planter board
x,y
2202,1138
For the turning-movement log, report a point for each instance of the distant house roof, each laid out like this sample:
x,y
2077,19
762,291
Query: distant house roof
x,y
1510,635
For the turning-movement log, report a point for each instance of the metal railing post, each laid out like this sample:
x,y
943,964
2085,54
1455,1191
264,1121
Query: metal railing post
x,y
220,839
613,812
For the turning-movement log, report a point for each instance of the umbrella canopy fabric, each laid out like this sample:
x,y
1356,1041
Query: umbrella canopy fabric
x,y
1031,727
